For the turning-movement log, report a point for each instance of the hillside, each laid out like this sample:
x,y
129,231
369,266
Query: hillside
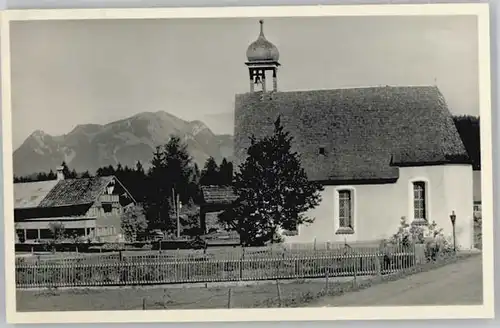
x,y
90,146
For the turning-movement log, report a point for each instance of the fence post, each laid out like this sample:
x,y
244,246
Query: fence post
x,y
377,265
326,281
414,257
279,292
355,269
241,266
229,298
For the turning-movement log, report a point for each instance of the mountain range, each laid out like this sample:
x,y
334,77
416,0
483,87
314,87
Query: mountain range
x,y
90,146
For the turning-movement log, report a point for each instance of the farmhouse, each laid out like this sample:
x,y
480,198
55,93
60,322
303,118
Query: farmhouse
x,y
382,153
87,207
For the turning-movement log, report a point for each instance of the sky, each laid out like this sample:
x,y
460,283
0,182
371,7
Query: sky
x,y
66,73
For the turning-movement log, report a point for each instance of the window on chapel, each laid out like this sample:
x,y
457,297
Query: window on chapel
x,y
346,209
419,203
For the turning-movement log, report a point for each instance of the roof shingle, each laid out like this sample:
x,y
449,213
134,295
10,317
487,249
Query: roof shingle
x,y
72,192
218,194
364,133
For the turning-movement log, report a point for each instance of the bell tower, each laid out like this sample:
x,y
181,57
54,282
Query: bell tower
x,y
262,63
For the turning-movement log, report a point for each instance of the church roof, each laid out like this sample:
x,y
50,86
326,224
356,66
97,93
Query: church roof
x,y
357,134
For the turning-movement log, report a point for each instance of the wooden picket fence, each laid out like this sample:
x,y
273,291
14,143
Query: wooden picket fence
x,y
164,270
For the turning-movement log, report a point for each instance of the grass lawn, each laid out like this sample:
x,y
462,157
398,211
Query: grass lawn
x,y
170,297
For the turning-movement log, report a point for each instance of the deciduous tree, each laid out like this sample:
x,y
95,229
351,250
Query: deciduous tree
x,y
133,222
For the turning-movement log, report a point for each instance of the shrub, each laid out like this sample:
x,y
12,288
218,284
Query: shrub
x,y
113,246
147,246
407,234
437,245
58,231
478,234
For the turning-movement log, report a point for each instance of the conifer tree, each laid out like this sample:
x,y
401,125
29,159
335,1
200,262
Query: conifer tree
x,y
86,174
210,173
139,168
157,202
469,129
226,173
51,175
170,175
273,191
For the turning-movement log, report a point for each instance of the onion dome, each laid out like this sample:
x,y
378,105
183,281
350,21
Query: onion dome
x,y
261,49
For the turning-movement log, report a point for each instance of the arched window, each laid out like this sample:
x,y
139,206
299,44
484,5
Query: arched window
x,y
346,209
419,201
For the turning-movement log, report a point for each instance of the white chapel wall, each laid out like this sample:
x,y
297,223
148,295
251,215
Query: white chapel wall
x,y
459,182
378,208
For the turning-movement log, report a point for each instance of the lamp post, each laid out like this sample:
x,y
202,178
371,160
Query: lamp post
x,y
453,219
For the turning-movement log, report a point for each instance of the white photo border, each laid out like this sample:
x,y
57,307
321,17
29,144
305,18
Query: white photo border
x,y
480,10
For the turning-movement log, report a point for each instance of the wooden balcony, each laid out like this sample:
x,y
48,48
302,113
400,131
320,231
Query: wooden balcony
x,y
109,199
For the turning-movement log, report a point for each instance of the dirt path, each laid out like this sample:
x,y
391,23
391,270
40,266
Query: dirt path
x,y
460,283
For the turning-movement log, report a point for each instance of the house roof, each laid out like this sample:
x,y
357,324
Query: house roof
x,y
61,193
364,133
30,194
72,192
219,195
